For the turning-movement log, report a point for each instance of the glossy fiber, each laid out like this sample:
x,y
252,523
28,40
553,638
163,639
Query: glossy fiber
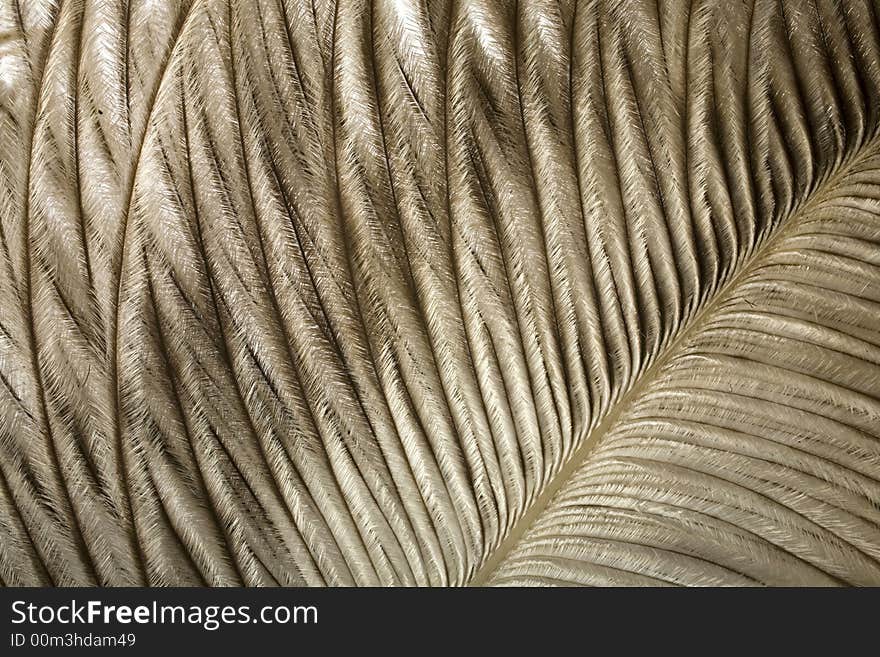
x,y
412,292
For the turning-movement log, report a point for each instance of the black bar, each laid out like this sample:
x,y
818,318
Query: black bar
x,y
435,621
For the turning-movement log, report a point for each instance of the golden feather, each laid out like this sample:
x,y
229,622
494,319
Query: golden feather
x,y
387,292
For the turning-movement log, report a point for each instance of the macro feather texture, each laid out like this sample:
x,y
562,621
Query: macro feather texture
x,y
443,292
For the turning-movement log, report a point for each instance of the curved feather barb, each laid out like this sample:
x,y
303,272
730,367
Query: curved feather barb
x,y
383,292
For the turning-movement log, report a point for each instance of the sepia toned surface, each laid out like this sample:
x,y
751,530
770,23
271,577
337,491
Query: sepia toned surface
x,y
439,293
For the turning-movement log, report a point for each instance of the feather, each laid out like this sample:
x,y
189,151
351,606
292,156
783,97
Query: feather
x,y
387,292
